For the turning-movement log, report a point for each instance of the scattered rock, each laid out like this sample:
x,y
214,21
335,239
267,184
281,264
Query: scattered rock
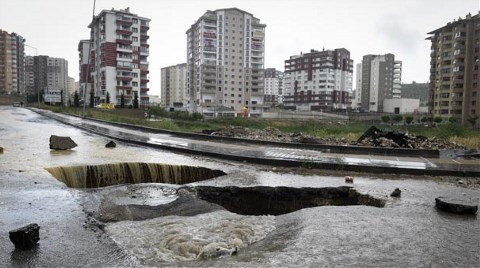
x,y
1,150
456,205
396,193
25,237
61,143
348,179
111,144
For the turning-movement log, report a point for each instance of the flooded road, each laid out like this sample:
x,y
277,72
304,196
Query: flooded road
x,y
408,232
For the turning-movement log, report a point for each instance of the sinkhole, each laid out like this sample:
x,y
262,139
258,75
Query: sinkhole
x,y
95,176
264,200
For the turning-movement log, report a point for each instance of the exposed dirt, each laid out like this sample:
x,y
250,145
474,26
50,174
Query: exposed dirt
x,y
374,137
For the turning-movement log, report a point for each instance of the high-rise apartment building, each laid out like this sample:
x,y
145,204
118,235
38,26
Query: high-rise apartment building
x,y
118,54
273,88
225,61
12,63
46,72
455,71
84,64
174,86
379,77
319,80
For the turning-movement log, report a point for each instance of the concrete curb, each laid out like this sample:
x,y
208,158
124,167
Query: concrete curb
x,y
337,149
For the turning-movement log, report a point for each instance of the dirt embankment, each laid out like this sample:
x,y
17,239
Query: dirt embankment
x,y
372,137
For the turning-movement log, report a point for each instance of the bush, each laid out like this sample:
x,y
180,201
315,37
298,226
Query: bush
x,y
385,118
408,119
397,118
438,119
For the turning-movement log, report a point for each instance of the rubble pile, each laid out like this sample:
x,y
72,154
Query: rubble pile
x,y
372,137
394,139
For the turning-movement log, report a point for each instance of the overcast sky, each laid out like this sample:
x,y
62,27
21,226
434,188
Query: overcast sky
x,y
54,27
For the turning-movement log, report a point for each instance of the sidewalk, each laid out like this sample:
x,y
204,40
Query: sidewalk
x,y
276,155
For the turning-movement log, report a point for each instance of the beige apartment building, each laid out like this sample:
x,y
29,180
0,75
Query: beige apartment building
x,y
12,63
174,87
225,62
454,70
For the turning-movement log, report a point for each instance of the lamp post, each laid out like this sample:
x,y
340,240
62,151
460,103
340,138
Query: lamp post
x,y
38,90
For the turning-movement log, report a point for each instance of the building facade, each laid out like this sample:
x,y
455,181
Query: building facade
x,y
44,72
12,63
273,86
225,61
118,55
83,65
319,80
454,70
379,77
174,87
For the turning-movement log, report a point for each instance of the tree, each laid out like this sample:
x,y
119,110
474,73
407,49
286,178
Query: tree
x,y
452,120
108,98
438,119
122,101
473,120
385,118
92,99
408,119
424,119
135,100
76,99
397,118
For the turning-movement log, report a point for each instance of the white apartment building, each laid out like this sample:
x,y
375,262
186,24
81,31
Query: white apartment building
x,y
118,54
273,88
319,80
379,77
174,87
225,61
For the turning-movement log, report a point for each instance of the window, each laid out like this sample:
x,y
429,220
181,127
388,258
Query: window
x,y
134,39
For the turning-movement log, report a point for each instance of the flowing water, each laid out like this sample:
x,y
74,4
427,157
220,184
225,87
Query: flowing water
x,y
407,232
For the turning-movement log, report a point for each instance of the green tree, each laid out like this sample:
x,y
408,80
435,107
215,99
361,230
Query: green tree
x,y
76,99
107,98
385,118
92,99
437,119
452,120
122,101
424,119
408,119
397,118
135,100
472,120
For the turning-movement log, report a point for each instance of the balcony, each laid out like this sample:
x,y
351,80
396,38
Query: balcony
x,y
144,80
209,83
256,92
124,41
144,90
124,88
124,78
124,21
123,31
144,27
144,36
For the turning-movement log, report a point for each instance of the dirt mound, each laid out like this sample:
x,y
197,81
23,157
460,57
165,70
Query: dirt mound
x,y
372,137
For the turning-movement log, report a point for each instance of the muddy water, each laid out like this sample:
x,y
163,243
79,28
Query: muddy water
x,y
408,232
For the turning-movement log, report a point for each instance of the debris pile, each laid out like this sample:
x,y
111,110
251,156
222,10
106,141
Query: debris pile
x,y
394,139
372,137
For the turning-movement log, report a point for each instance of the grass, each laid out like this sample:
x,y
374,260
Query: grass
x,y
350,132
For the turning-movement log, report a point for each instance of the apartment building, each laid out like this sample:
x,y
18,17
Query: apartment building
x,y
118,54
225,61
46,72
273,86
174,87
454,70
12,63
379,77
318,80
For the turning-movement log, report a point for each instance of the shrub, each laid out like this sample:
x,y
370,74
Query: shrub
x,y
408,119
438,119
385,118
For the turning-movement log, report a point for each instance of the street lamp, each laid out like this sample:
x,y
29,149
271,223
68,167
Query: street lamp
x,y
38,90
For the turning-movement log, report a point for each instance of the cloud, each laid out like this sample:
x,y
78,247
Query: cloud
x,y
398,35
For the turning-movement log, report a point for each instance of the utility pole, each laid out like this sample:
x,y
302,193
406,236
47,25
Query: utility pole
x,y
88,63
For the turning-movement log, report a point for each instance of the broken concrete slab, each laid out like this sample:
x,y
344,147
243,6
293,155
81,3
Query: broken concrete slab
x,y
61,143
457,205
25,237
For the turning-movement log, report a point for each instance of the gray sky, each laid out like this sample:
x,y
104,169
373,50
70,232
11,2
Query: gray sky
x,y
363,27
